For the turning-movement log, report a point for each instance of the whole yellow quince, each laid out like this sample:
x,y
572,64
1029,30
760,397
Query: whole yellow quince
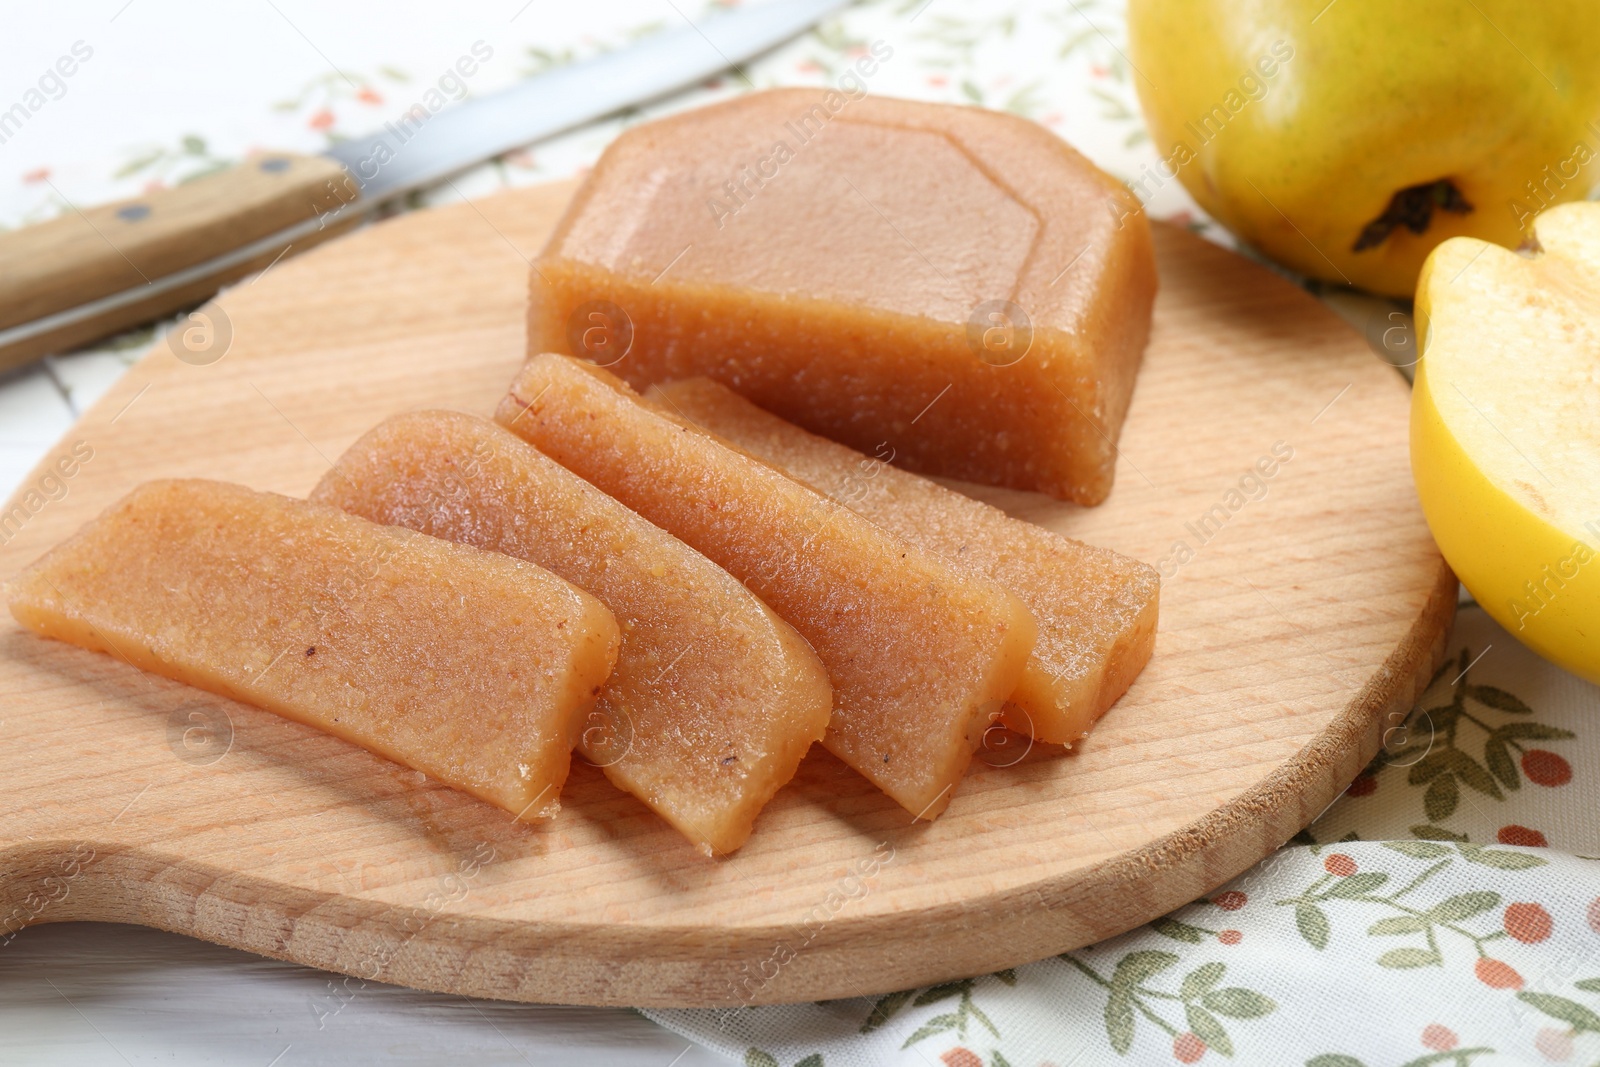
x,y
1505,429
1347,139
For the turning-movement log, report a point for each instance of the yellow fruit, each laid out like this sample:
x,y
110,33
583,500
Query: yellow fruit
x,y
1297,122
1505,429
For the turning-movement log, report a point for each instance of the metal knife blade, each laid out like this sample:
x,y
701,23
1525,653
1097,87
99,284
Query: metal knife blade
x,y
414,154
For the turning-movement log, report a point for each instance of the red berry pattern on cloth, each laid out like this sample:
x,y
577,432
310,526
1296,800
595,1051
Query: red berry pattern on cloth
x,y
1188,1048
1520,835
1528,923
1439,1038
1546,768
1556,1045
1497,975
1339,865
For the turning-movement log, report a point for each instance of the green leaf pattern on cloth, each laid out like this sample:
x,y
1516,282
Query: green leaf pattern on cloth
x,y
1129,997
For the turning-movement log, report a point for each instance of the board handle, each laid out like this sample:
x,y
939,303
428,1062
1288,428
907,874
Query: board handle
x,y
94,252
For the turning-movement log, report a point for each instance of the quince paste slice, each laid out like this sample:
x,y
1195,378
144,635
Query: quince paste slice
x,y
1096,609
714,699
956,281
921,657
470,666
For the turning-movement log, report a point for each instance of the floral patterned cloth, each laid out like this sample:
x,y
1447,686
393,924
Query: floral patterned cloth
x,y
1446,910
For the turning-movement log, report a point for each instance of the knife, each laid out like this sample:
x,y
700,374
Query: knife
x,y
91,272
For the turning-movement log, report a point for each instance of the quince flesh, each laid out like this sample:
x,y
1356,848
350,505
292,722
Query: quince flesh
x,y
1505,429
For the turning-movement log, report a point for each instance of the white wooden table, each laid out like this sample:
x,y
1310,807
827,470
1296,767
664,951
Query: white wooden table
x,y
93,994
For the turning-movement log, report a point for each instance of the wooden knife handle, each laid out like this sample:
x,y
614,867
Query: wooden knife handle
x,y
88,253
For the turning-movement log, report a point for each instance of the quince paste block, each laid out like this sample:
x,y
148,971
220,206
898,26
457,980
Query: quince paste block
x,y
470,666
714,699
1095,609
920,656
957,281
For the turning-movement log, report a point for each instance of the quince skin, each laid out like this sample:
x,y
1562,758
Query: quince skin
x,y
1348,139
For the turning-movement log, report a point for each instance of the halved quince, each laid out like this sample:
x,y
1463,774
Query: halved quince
x,y
1505,429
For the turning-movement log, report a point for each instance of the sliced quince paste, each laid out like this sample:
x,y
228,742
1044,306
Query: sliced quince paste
x,y
714,699
470,666
957,281
921,657
1096,609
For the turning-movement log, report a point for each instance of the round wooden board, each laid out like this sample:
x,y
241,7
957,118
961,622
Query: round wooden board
x,y
1313,607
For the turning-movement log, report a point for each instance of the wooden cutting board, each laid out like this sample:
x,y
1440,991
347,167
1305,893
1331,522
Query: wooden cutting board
x,y
1296,625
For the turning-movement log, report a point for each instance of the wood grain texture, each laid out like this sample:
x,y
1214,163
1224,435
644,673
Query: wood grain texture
x,y
1299,630
93,252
